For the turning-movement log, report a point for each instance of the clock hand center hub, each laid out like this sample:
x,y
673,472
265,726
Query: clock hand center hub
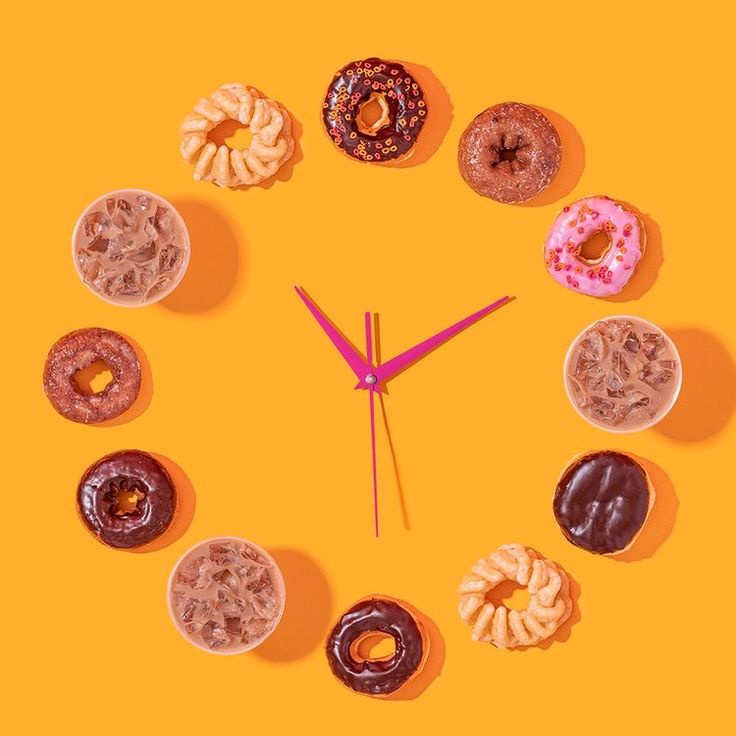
x,y
370,379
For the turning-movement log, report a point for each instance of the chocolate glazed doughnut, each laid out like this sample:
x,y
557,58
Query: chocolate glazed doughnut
x,y
379,677
510,153
399,98
602,501
77,351
126,499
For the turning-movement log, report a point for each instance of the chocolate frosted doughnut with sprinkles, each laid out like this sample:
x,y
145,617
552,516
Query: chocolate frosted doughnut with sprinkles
x,y
366,88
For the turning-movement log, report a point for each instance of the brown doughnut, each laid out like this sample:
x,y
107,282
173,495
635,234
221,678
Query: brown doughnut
x,y
150,492
78,350
510,153
377,677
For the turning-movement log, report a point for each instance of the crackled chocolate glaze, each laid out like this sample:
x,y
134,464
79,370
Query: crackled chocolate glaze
x,y
375,677
358,83
510,153
602,501
130,472
78,350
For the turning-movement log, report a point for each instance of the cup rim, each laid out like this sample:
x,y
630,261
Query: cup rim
x,y
652,422
187,247
281,586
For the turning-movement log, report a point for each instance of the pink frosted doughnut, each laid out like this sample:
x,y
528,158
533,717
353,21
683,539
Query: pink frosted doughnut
x,y
609,273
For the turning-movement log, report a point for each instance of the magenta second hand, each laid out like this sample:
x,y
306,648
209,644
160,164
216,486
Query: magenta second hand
x,y
371,399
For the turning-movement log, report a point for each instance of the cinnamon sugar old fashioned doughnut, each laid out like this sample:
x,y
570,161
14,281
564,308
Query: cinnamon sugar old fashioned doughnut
x,y
387,86
75,352
609,273
377,677
549,606
510,153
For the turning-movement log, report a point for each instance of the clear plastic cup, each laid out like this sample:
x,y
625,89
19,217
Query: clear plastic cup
x,y
202,548
662,411
133,301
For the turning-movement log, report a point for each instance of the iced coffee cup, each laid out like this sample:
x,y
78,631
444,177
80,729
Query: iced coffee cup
x,y
131,247
623,374
226,595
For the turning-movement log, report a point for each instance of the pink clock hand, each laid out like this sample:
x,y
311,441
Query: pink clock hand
x,y
352,357
391,368
371,399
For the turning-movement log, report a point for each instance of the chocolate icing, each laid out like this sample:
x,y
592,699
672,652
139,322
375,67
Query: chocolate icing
x,y
375,677
78,350
131,472
602,501
401,99
520,132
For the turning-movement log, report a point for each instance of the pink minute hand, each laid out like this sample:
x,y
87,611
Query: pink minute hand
x,y
386,371
352,357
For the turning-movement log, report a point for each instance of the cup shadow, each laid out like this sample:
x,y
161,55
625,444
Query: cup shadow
x,y
308,608
145,395
648,268
186,502
708,396
661,521
214,264
439,118
572,163
435,659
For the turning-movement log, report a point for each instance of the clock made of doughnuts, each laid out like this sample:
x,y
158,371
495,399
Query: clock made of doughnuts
x,y
622,374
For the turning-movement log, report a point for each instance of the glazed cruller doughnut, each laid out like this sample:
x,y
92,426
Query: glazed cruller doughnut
x,y
271,146
549,606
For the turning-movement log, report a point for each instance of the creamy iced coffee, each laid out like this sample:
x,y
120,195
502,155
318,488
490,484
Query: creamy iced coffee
x,y
623,374
131,247
226,595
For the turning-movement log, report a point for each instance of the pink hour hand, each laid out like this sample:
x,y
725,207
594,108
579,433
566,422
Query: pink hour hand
x,y
352,357
391,368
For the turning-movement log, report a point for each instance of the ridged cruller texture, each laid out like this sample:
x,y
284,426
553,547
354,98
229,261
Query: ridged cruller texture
x,y
549,606
271,145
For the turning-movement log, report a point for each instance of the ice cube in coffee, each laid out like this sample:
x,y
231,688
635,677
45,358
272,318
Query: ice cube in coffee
x,y
623,374
131,247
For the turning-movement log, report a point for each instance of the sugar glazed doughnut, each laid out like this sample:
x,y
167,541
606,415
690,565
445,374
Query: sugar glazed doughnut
x,y
401,102
609,273
510,153
270,148
602,501
377,677
75,352
126,499
549,605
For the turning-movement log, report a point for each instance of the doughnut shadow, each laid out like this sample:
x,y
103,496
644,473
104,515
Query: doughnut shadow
x,y
661,521
435,659
571,166
308,608
651,261
438,119
186,502
144,395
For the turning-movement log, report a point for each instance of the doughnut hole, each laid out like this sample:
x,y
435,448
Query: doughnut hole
x,y
231,133
373,114
93,379
509,594
595,248
373,646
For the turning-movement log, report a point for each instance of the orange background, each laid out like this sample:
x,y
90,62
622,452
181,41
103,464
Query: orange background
x,y
256,410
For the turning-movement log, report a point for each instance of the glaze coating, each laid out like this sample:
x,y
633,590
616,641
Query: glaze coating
x,y
149,489
601,501
376,677
399,97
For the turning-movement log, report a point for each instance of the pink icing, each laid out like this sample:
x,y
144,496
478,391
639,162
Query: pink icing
x,y
573,226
